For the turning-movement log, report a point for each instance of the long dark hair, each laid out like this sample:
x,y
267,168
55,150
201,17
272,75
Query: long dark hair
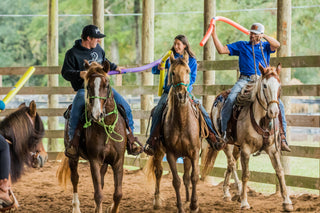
x,y
185,41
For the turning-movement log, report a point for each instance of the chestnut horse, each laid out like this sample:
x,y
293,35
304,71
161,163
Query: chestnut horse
x,y
256,130
102,142
181,137
23,129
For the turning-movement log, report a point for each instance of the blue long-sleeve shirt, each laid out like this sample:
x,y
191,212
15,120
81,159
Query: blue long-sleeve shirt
x,y
193,71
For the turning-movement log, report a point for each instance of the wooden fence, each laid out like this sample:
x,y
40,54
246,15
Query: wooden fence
x,y
287,90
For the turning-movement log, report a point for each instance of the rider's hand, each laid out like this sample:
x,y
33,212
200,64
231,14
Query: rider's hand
x,y
160,67
83,74
119,69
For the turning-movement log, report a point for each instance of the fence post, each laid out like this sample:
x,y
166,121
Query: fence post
x,y
52,60
284,37
147,56
208,75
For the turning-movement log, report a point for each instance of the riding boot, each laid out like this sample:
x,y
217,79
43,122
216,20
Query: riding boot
x,y
134,147
153,139
73,145
4,194
214,143
284,143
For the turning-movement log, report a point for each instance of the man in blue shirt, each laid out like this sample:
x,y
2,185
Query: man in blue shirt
x,y
248,64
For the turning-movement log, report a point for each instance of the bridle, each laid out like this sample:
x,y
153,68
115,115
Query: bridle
x,y
109,129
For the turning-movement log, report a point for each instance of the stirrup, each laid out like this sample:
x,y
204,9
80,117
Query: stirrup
x,y
284,146
135,148
148,149
71,152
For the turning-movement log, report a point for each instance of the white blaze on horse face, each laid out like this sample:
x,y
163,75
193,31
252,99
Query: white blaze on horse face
x,y
272,97
96,110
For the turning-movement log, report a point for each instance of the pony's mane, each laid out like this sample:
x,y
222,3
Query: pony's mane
x,y
18,129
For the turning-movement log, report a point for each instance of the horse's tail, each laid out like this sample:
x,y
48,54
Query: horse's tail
x,y
63,172
209,156
149,169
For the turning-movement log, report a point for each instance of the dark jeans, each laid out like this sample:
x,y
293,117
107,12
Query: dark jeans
x,y
4,158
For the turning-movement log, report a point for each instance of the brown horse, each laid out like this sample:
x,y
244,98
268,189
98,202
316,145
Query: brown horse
x,y
256,130
23,129
181,137
102,143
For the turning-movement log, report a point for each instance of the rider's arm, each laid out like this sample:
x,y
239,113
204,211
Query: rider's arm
x,y
220,48
274,43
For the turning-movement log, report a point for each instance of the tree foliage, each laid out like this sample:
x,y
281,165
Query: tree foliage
x,y
23,39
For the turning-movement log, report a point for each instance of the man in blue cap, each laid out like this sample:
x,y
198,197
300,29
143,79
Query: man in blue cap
x,y
247,57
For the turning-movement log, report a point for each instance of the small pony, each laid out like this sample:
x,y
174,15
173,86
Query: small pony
x,y
23,130
181,137
254,129
102,142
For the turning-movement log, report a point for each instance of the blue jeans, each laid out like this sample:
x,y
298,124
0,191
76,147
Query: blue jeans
x,y
78,107
4,158
226,111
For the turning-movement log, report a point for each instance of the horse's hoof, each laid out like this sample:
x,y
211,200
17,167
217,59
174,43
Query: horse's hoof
x,y
236,198
246,207
195,211
157,203
227,198
287,207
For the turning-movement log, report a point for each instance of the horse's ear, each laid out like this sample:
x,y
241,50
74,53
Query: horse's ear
x,y
32,108
106,66
262,69
171,58
86,64
21,105
186,57
279,68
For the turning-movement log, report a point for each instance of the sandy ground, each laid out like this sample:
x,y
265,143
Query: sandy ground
x,y
38,191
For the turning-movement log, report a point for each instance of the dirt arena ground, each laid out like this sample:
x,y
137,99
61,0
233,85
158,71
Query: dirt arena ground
x,y
38,191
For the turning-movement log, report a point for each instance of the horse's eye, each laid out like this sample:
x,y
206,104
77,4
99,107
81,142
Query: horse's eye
x,y
172,73
265,86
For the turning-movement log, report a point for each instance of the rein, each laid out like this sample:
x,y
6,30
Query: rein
x,y
109,129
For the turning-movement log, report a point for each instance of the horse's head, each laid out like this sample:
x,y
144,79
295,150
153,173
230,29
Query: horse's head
x,y
98,89
179,77
270,89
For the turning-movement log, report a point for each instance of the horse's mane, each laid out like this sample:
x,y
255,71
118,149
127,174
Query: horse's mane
x,y
248,93
94,69
18,129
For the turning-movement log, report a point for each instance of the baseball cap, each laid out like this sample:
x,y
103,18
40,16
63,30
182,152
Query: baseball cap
x,y
92,31
257,28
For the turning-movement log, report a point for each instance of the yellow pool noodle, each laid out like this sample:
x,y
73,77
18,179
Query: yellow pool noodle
x,y
18,85
162,72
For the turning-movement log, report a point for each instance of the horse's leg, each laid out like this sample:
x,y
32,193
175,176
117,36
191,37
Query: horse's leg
x,y
231,168
103,171
73,164
96,179
176,182
186,176
117,179
245,156
236,156
158,170
194,207
276,163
